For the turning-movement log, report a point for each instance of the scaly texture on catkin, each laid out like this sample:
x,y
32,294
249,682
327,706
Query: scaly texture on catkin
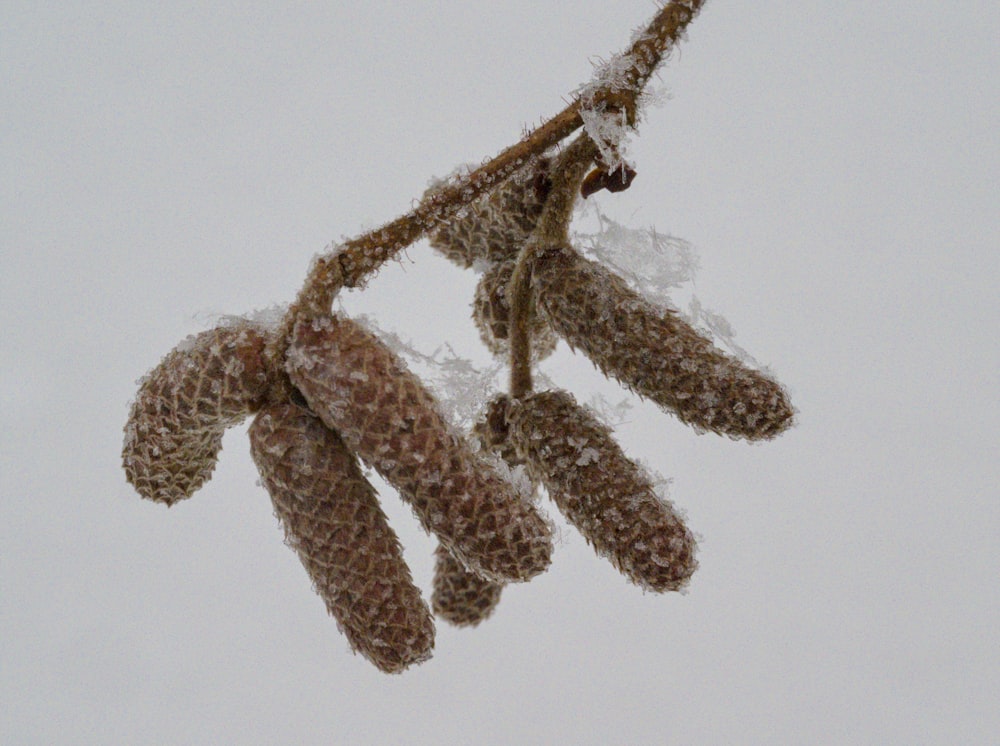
x,y
603,493
363,391
461,597
653,351
207,383
491,312
495,226
492,431
332,519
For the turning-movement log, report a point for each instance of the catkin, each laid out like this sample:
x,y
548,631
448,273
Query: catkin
x,y
604,494
491,312
206,384
362,390
495,226
332,519
461,597
655,352
493,434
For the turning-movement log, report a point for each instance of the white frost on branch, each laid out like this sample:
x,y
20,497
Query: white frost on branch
x,y
608,128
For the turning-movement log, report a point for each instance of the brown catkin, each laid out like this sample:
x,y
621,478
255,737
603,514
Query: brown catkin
x,y
332,519
654,351
206,384
491,312
495,226
461,597
605,495
492,431
362,390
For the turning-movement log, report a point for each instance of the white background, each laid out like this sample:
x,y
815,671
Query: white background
x,y
834,164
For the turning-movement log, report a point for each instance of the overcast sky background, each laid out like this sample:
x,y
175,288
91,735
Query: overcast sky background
x,y
835,166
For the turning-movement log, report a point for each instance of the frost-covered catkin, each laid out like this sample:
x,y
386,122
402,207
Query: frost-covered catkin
x,y
332,519
461,597
209,382
492,431
495,227
604,494
491,312
362,390
654,352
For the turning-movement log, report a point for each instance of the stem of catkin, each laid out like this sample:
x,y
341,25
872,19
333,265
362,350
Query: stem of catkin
x,y
566,174
348,264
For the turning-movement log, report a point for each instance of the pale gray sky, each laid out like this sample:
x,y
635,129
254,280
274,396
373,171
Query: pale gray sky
x,y
834,164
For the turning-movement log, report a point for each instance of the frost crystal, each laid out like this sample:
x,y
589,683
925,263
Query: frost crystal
x,y
461,387
609,129
651,262
720,329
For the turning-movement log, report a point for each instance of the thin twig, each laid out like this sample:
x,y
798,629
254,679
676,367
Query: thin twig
x,y
349,263
566,174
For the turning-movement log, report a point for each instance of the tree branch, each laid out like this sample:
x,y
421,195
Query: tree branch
x,y
349,263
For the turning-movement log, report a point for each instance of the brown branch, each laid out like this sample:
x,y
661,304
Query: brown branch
x,y
648,51
351,262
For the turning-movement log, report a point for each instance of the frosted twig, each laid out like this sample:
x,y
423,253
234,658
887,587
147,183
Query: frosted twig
x,y
347,265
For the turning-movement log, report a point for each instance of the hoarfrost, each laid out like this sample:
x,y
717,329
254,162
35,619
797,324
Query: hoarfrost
x,y
461,389
610,413
297,358
720,329
656,265
607,128
652,263
268,318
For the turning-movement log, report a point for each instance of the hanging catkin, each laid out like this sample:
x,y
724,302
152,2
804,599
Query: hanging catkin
x,y
461,597
362,390
654,351
206,384
494,227
332,519
604,494
491,312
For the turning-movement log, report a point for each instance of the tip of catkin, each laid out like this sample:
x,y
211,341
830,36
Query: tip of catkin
x,y
462,598
609,498
173,435
654,351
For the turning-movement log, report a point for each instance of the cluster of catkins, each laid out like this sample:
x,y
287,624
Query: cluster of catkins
x,y
336,393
